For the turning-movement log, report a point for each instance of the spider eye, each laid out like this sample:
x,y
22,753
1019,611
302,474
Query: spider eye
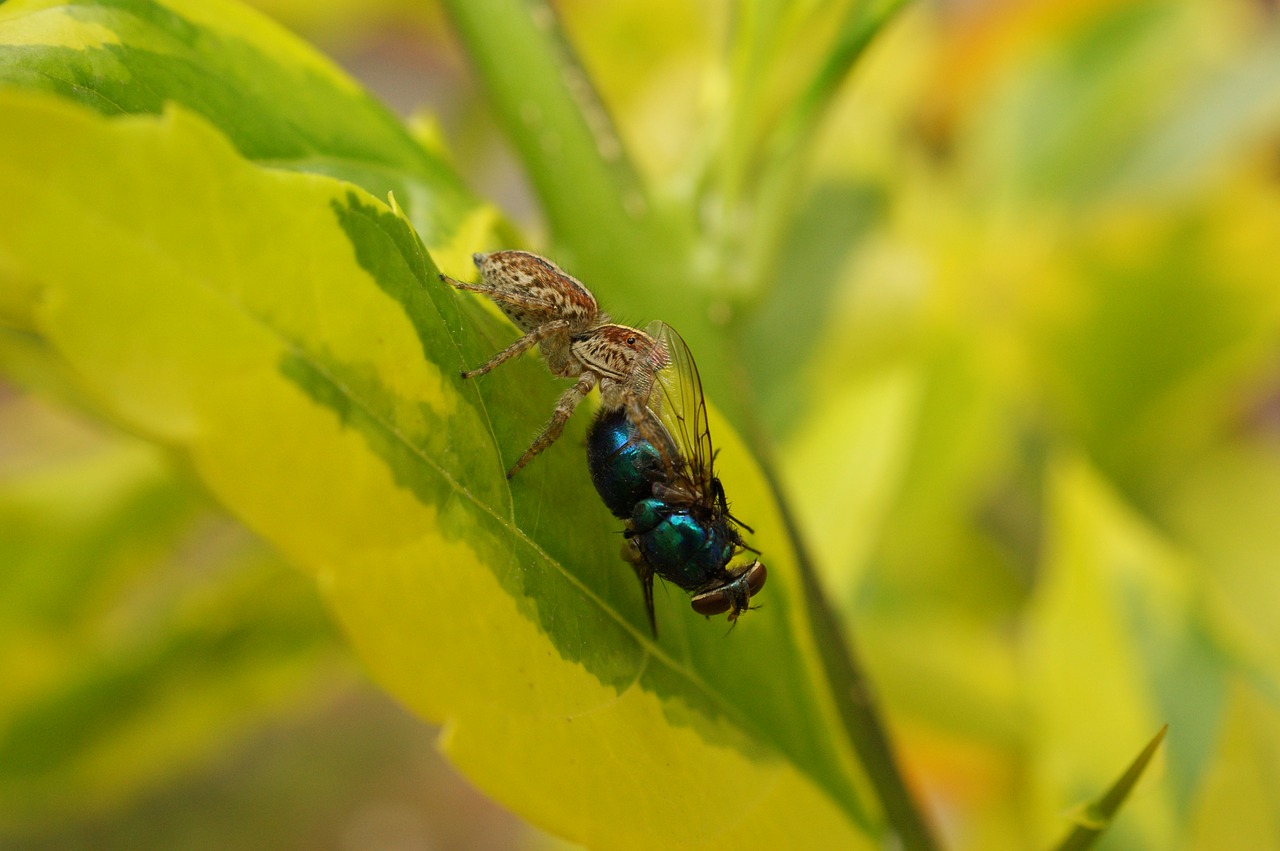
x,y
631,341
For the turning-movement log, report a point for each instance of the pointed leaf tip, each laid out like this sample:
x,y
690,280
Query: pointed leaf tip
x,y
1094,818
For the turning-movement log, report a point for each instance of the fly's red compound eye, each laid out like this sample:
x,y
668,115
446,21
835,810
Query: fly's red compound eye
x,y
713,602
734,595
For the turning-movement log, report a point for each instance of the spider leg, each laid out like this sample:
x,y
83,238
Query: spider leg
x,y
537,335
501,294
564,408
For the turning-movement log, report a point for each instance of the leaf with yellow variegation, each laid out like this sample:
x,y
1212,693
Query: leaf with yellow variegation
x,y
287,333
276,100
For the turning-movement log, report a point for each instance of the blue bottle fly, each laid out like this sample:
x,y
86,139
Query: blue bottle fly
x,y
678,521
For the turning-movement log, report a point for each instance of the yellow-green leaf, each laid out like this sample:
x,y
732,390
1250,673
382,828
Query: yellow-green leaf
x,y
1111,610
139,630
287,333
1239,805
1096,818
276,100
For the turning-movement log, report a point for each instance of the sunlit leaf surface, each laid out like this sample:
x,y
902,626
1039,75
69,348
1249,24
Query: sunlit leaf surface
x,y
1014,327
320,401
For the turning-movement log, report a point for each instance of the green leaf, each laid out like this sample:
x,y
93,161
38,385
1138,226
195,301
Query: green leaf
x,y
277,101
789,61
1223,510
1239,803
1113,648
139,631
1097,817
286,332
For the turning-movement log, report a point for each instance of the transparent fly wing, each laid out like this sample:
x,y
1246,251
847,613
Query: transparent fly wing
x,y
676,397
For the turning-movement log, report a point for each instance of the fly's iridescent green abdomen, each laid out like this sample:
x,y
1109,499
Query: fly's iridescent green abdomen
x,y
682,547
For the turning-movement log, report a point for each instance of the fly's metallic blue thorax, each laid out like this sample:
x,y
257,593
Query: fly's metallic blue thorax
x,y
623,466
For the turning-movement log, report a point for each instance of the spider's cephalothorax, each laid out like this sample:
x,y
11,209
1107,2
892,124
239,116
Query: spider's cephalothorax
x,y
561,317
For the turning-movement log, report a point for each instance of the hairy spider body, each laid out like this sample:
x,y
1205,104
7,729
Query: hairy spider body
x,y
561,317
549,306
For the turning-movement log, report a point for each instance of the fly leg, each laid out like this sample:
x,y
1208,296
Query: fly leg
x,y
631,555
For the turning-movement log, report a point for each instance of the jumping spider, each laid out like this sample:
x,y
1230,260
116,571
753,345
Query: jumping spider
x,y
561,317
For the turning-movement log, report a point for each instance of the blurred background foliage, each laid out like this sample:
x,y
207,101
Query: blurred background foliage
x,y
1020,365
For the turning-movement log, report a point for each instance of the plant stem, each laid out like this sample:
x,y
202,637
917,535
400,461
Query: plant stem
x,y
597,206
